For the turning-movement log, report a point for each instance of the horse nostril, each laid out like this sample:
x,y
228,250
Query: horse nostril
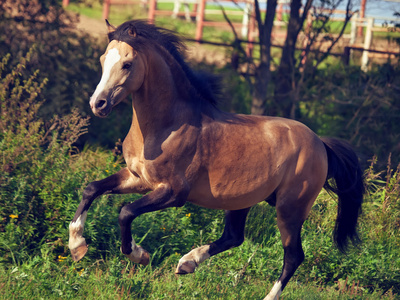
x,y
101,104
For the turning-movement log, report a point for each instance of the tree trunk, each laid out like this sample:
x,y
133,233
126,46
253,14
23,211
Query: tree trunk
x,y
263,72
285,84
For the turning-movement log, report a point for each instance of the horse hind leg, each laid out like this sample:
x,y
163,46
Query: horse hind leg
x,y
232,236
293,257
291,215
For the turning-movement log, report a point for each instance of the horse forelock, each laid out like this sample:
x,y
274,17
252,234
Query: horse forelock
x,y
139,34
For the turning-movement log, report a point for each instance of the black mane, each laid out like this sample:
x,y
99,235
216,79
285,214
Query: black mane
x,y
138,33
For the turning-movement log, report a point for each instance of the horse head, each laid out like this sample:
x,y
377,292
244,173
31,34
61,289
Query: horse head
x,y
123,73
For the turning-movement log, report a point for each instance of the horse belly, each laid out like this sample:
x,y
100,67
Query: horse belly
x,y
233,188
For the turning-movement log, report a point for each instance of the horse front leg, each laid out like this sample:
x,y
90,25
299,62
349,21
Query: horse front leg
x,y
233,236
162,197
123,182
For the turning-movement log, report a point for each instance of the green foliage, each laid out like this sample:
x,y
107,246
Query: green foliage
x,y
67,59
347,103
34,156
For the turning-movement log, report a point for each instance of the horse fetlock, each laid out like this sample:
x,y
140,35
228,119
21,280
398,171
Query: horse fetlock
x,y
77,244
138,255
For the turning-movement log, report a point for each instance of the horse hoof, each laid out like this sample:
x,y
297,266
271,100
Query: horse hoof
x,y
142,258
79,252
186,267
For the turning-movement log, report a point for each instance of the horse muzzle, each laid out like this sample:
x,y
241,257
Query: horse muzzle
x,y
101,107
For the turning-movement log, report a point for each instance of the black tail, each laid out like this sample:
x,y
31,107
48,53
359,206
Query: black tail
x,y
348,184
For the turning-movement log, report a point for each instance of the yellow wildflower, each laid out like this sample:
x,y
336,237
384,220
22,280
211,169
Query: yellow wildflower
x,y
188,215
13,216
81,272
61,258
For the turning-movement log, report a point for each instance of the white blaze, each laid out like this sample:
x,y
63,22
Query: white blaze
x,y
112,58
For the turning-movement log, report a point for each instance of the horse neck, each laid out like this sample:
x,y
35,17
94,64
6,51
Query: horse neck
x,y
162,101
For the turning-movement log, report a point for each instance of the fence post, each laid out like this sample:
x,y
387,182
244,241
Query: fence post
x,y
353,35
367,44
106,9
152,11
250,32
362,16
200,20
245,21
279,12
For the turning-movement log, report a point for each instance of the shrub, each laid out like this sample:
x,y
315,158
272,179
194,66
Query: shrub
x,y
347,103
35,160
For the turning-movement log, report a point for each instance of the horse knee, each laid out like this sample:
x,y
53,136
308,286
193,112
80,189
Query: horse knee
x,y
91,191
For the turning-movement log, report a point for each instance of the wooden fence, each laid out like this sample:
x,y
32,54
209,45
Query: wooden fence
x,y
248,27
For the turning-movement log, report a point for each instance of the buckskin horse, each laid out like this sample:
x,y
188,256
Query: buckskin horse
x,y
181,147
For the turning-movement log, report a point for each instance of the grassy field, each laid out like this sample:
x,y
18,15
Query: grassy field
x,y
246,272
42,181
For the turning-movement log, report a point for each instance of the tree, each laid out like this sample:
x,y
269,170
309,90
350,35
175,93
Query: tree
x,y
284,79
68,59
317,33
292,68
263,69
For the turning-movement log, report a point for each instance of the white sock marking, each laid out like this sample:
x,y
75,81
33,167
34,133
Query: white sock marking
x,y
275,292
76,230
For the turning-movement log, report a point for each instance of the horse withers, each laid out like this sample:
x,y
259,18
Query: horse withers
x,y
181,147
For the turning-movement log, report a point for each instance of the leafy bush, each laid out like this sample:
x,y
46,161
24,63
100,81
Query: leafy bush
x,y
35,160
67,59
347,103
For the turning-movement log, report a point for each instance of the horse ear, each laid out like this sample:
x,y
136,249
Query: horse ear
x,y
110,27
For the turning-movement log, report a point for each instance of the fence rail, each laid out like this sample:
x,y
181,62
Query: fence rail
x,y
248,26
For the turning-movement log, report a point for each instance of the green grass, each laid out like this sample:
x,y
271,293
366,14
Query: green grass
x,y
222,277
246,272
95,12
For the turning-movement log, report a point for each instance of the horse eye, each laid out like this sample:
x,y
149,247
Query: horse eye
x,y
126,66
